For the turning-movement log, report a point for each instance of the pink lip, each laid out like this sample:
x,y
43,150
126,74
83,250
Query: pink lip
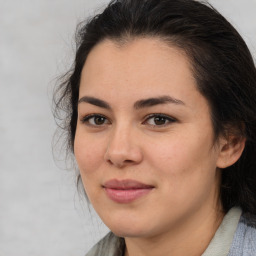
x,y
126,191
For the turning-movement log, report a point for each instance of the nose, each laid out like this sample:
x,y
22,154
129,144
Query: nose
x,y
123,149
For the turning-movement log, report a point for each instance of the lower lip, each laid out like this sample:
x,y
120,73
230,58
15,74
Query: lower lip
x,y
126,196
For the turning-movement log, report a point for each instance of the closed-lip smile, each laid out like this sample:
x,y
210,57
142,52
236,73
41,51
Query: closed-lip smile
x,y
126,191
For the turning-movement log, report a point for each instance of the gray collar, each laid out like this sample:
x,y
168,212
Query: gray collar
x,y
112,245
221,242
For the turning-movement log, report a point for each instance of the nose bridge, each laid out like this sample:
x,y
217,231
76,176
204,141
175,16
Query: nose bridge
x,y
123,145
121,139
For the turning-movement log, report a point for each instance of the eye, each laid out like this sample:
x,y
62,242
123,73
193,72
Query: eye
x,y
159,120
95,120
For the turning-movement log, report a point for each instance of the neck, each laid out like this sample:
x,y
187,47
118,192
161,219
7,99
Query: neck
x,y
190,238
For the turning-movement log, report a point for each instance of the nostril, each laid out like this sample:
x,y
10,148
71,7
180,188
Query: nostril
x,y
119,163
109,161
128,161
122,157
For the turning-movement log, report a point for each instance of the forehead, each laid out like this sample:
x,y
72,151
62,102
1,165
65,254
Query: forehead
x,y
145,67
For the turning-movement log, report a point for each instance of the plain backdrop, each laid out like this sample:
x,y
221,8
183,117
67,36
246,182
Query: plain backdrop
x,y
41,212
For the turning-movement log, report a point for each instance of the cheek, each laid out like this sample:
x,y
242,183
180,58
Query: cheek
x,y
180,149
185,170
89,154
184,160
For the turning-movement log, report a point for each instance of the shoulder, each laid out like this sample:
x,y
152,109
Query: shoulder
x,y
244,242
249,220
110,245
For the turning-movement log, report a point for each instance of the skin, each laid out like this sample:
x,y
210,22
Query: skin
x,y
178,155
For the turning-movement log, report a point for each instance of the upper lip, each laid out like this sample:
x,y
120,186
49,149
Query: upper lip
x,y
126,184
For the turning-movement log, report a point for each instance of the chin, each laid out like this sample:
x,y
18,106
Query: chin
x,y
129,229
128,233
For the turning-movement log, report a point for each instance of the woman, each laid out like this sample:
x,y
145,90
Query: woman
x,y
161,119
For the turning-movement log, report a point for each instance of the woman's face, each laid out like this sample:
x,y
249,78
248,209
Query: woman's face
x,y
144,142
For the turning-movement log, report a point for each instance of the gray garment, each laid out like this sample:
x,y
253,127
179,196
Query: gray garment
x,y
244,242
221,242
236,236
110,245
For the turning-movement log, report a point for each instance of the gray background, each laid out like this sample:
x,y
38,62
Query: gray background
x,y
41,212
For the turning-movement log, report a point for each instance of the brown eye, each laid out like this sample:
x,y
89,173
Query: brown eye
x,y
99,120
95,120
159,120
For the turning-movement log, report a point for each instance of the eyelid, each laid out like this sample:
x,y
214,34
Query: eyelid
x,y
169,118
86,118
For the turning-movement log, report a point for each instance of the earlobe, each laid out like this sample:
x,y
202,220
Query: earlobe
x,y
231,150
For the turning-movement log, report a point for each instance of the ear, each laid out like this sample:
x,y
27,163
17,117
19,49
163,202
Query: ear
x,y
230,150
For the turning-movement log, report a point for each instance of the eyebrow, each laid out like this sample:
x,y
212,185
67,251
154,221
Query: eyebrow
x,y
144,103
95,101
157,101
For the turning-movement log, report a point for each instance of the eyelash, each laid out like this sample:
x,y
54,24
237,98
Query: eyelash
x,y
168,120
86,119
157,115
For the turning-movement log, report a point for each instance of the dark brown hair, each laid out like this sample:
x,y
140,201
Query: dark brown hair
x,y
222,65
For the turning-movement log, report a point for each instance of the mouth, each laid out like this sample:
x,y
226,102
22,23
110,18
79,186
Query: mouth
x,y
126,191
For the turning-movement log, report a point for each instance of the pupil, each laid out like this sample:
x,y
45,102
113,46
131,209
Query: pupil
x,y
99,120
159,120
